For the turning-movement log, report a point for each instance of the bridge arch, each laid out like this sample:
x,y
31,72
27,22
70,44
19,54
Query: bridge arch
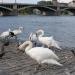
x,y
70,10
4,10
48,10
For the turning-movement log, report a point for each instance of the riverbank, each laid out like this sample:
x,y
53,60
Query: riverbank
x,y
18,63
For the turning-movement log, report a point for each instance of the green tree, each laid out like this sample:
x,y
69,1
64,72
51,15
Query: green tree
x,y
44,3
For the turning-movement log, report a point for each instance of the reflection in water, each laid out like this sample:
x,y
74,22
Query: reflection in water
x,y
1,14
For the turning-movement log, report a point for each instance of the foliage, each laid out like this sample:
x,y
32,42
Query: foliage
x,y
25,11
66,12
44,3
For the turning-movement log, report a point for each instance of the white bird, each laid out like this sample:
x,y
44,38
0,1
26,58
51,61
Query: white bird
x,y
40,54
33,37
18,31
5,34
48,41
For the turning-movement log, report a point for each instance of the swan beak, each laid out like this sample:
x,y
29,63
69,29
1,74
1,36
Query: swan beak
x,y
59,48
19,50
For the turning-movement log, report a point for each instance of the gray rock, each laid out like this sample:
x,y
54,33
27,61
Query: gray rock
x,y
2,72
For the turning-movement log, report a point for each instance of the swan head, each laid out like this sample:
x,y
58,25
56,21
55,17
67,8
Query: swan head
x,y
39,32
26,46
21,28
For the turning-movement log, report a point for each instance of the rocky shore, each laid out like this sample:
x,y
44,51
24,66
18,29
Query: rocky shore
x,y
18,63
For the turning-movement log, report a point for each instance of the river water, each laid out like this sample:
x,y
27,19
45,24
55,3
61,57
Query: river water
x,y
62,28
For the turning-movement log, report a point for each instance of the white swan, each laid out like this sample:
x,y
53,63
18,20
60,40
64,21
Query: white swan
x,y
18,31
40,54
48,41
33,37
5,34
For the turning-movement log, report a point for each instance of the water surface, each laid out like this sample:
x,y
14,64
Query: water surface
x,y
62,28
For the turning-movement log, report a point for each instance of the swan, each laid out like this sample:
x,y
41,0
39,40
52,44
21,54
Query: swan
x,y
33,38
48,41
18,31
40,54
5,34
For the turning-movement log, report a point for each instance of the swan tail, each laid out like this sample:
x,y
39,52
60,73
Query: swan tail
x,y
53,55
52,61
56,57
56,44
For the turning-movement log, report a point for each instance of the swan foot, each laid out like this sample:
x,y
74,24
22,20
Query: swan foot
x,y
37,68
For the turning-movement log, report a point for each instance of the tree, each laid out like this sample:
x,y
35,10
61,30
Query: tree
x,y
44,3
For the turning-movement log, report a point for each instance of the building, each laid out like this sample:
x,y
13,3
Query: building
x,y
63,4
71,4
54,2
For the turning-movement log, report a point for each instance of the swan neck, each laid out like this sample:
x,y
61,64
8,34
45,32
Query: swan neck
x,y
41,33
29,46
30,36
9,29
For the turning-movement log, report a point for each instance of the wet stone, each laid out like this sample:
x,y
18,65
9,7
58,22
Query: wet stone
x,y
20,64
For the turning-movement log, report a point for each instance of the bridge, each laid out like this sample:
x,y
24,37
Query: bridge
x,y
17,8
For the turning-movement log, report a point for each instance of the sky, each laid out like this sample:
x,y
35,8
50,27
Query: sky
x,y
31,1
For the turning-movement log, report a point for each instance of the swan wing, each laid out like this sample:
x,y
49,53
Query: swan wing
x,y
51,61
49,41
55,44
4,34
40,53
16,32
45,40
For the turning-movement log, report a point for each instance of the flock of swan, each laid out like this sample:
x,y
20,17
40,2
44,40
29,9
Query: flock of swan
x,y
10,32
43,55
